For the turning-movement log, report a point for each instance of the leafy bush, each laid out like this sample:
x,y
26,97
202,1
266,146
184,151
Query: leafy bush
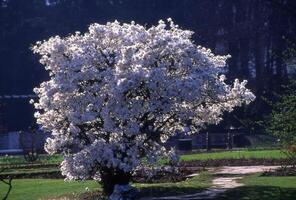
x,y
282,123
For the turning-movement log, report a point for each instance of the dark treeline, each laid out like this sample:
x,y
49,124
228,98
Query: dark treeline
x,y
258,34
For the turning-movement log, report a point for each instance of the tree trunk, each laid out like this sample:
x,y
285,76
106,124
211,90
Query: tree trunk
x,y
111,177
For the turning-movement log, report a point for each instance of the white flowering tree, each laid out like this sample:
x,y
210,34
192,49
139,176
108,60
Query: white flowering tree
x,y
117,92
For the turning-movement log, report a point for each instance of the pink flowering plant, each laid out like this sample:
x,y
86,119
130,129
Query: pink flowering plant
x,y
117,93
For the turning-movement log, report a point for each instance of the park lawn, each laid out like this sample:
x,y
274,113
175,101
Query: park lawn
x,y
191,185
247,154
259,154
42,159
256,187
273,181
13,171
263,188
49,164
33,189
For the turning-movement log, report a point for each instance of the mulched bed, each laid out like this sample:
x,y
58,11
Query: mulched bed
x,y
184,169
234,162
55,174
27,166
163,176
283,171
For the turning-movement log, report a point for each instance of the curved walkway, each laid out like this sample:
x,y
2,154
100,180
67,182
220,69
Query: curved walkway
x,y
225,178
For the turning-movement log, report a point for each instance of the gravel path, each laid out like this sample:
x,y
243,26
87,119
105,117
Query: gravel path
x,y
241,170
225,178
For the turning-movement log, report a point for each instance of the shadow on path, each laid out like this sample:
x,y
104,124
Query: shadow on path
x,y
258,193
224,185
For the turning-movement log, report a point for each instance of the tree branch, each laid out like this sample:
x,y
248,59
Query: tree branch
x,y
9,183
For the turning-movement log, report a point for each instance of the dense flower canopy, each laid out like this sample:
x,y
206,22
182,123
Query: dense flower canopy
x,y
117,92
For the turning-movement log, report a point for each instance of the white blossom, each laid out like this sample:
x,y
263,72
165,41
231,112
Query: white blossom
x,y
117,92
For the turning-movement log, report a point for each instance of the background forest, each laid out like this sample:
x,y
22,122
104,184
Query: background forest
x,y
258,34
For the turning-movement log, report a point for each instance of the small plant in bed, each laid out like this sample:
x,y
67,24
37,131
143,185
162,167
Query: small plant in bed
x,y
162,174
282,171
288,168
282,125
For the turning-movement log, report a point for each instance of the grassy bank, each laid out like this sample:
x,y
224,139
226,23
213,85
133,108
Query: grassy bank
x,y
264,154
247,154
19,159
18,168
256,187
33,189
191,185
263,188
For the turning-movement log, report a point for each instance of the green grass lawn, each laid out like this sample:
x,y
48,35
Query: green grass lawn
x,y
29,170
191,185
31,189
56,159
19,168
259,154
274,181
42,159
256,188
263,188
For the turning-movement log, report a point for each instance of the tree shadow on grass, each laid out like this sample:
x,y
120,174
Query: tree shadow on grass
x,y
259,193
161,191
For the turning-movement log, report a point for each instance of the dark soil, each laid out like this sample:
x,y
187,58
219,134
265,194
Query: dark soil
x,y
180,174
53,174
28,166
234,162
283,171
160,177
185,169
